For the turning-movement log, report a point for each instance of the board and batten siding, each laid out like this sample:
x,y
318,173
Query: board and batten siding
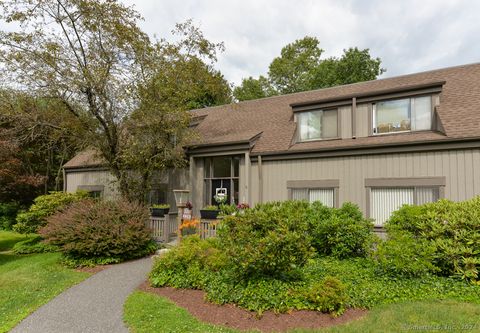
x,y
74,179
461,168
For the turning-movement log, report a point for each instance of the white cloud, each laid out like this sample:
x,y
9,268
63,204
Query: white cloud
x,y
408,35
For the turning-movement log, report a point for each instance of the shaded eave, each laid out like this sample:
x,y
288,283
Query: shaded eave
x,y
217,148
371,149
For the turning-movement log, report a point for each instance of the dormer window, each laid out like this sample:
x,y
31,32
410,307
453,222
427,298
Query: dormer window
x,y
317,124
402,115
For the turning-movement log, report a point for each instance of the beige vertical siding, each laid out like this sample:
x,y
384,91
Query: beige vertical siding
x,y
362,118
345,117
460,167
90,177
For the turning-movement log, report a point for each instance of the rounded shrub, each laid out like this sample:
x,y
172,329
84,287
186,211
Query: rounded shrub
x,y
270,240
43,207
341,233
452,228
99,230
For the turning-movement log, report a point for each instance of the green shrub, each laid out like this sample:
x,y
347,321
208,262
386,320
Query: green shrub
x,y
404,255
342,233
43,207
188,264
327,295
270,240
33,245
93,229
453,228
8,214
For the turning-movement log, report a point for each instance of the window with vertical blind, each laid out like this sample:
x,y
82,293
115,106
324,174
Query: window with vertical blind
x,y
386,195
323,191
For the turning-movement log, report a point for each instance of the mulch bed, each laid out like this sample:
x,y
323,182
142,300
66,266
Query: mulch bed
x,y
235,317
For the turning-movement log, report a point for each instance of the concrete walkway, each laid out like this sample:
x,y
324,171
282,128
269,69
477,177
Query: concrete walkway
x,y
94,305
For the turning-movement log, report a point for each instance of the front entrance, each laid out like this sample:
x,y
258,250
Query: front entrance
x,y
222,172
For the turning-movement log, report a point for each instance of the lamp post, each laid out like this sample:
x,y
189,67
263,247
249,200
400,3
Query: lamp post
x,y
181,199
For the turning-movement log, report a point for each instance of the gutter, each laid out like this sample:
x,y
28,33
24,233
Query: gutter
x,y
368,149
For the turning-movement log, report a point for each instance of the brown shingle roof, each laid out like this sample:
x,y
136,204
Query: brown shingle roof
x,y
86,158
273,116
270,120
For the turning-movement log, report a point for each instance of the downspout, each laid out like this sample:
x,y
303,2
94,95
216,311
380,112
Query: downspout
x,y
260,180
247,177
354,117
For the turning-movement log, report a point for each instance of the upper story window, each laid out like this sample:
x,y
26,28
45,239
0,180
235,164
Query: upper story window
x,y
317,124
401,115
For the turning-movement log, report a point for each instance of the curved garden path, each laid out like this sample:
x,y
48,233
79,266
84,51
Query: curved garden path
x,y
94,305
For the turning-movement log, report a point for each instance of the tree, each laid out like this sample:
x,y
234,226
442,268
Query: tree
x,y
354,66
254,88
46,134
92,57
293,70
300,68
17,183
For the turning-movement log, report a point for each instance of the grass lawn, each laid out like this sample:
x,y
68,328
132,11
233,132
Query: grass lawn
x,y
151,313
29,281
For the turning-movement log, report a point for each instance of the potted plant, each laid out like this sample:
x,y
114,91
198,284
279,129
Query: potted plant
x,y
159,210
209,212
242,207
189,227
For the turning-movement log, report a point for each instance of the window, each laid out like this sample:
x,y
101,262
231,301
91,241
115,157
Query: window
x,y
95,194
325,195
384,201
158,194
324,191
318,124
222,172
400,115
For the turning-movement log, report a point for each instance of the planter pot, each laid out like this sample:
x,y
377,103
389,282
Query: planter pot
x,y
189,231
159,212
209,214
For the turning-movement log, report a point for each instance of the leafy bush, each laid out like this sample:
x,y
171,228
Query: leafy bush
x,y
326,295
93,229
43,207
8,213
404,255
33,245
341,233
188,264
270,240
453,228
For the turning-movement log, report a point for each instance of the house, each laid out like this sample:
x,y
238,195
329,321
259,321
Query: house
x,y
403,140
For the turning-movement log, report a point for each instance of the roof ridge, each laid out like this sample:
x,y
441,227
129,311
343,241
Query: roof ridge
x,y
339,86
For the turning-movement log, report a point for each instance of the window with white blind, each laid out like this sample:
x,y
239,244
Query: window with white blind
x,y
325,195
385,200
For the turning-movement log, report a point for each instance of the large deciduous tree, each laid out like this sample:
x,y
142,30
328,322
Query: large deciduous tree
x,y
93,59
300,68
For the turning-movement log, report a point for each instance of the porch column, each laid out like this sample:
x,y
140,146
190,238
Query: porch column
x,y
247,177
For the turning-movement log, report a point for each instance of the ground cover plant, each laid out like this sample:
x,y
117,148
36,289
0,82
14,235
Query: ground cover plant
x,y
93,232
296,255
29,281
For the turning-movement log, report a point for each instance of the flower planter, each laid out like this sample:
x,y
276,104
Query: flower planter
x,y
159,212
209,214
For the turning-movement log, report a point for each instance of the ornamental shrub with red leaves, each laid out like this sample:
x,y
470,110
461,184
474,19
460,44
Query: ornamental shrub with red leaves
x,y
97,229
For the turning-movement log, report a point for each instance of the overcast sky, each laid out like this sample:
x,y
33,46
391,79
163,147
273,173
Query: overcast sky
x,y
408,35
